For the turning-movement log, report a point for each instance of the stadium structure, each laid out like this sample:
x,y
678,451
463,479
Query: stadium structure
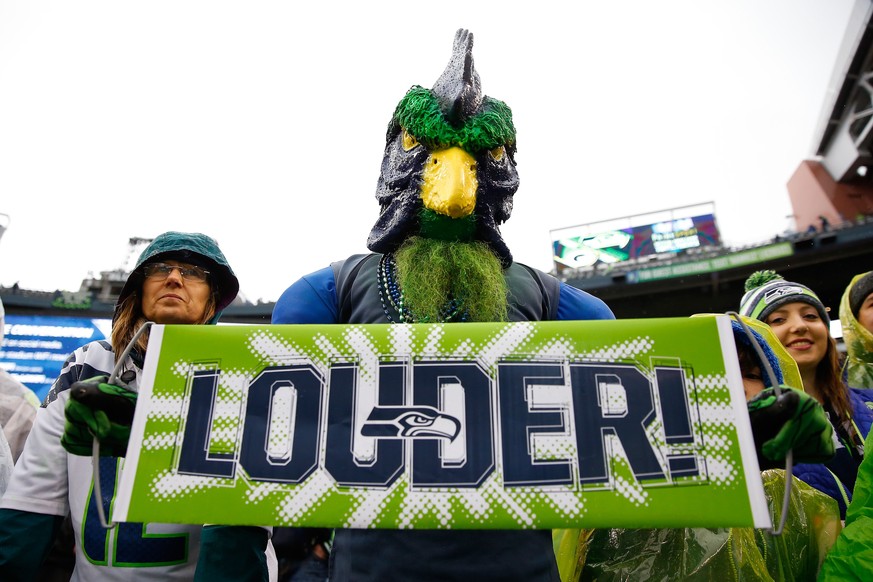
x,y
831,196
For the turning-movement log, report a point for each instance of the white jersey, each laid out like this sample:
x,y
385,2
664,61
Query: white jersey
x,y
48,480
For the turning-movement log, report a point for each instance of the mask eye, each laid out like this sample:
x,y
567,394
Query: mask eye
x,y
409,141
498,153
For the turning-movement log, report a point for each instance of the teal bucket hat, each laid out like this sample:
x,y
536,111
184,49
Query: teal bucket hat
x,y
188,247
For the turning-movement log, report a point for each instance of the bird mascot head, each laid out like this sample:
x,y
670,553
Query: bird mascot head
x,y
447,181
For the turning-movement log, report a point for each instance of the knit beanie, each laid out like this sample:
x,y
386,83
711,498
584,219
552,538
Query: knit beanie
x,y
860,291
767,291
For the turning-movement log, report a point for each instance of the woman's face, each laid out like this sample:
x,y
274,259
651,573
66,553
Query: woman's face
x,y
865,313
803,333
174,293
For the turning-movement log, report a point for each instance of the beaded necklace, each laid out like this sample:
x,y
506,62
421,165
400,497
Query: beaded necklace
x,y
390,294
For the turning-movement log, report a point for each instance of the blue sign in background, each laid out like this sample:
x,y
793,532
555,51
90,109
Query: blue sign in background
x,y
35,346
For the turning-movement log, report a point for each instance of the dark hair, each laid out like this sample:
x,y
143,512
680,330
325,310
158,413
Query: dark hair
x,y
834,392
748,358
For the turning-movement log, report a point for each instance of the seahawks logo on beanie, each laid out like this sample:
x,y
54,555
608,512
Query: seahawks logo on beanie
x,y
783,291
766,291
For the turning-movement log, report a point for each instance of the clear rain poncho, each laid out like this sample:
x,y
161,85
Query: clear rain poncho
x,y
859,344
717,554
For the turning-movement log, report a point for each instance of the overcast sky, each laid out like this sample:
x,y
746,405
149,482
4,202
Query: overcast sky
x,y
262,123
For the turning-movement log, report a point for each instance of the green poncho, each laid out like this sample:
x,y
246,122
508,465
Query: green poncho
x,y
852,556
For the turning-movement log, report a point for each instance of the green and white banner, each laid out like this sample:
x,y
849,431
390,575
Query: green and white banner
x,y
627,423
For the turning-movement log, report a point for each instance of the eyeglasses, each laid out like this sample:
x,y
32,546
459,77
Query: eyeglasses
x,y
160,271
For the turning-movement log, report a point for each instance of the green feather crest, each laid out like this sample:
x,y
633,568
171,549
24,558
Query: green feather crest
x,y
419,113
759,278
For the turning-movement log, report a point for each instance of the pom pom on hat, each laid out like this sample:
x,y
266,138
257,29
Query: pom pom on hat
x,y
759,278
766,291
860,290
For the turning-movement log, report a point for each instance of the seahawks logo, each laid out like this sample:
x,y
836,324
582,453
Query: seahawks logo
x,y
410,421
778,292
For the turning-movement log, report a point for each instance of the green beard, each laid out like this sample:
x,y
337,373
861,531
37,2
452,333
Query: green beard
x,y
433,272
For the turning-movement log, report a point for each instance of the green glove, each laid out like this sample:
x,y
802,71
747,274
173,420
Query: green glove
x,y
792,421
98,409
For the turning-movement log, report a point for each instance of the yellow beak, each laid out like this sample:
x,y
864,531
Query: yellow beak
x,y
449,183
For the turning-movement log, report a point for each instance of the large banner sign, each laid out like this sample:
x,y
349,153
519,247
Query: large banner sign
x,y
629,423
